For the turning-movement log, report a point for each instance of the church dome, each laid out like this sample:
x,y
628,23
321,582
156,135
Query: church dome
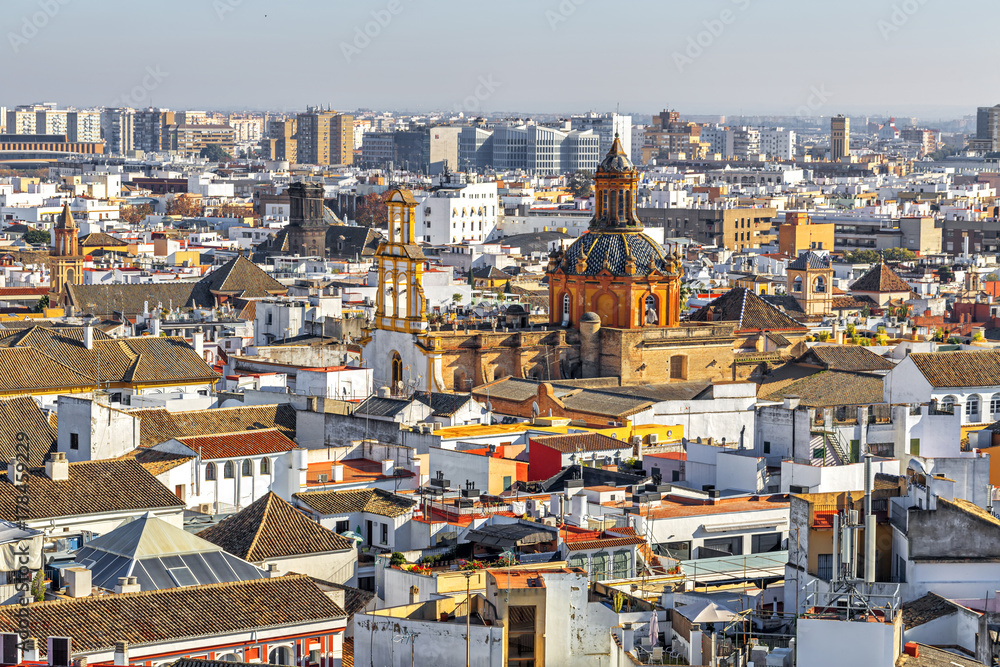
x,y
621,253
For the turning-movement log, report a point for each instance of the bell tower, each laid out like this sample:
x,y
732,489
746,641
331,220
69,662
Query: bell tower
x,y
401,305
67,263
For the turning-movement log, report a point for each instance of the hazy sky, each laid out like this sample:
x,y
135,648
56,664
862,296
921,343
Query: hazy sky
x,y
912,57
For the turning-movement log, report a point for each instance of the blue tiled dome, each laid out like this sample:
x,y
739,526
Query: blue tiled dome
x,y
614,249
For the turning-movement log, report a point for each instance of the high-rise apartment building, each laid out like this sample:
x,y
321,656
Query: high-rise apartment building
x,y
151,129
281,143
840,137
325,137
987,129
118,130
668,134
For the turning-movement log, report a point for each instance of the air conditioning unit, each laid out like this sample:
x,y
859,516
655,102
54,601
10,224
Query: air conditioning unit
x,y
10,649
60,651
636,439
205,508
323,478
654,438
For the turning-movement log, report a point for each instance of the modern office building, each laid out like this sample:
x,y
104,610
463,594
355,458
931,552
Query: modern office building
x,y
534,148
118,130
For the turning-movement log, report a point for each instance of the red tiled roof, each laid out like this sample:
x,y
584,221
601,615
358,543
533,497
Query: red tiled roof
x,y
606,543
243,443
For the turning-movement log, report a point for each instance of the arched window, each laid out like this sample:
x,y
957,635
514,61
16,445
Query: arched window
x,y
565,308
995,404
620,565
209,472
247,470
972,408
651,313
228,471
797,284
280,656
265,466
599,569
397,371
947,404
820,284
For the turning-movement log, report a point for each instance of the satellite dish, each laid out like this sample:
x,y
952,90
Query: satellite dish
x,y
534,408
489,406
399,383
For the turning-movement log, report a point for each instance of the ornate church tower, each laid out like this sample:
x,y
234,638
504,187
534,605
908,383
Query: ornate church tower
x,y
67,263
614,270
401,305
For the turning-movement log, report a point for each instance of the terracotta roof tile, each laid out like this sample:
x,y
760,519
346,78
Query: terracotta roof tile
x,y
750,311
832,388
583,442
158,425
966,368
243,443
93,487
271,528
845,358
153,617
22,414
375,501
880,278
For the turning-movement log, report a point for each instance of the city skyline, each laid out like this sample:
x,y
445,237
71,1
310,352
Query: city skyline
x,y
552,57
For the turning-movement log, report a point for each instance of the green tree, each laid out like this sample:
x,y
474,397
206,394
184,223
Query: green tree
x,y
945,274
456,298
899,255
38,585
36,237
397,558
861,256
581,183
42,304
215,153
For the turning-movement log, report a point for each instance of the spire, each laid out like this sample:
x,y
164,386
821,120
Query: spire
x,y
66,218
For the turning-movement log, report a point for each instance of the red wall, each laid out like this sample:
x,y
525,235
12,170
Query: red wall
x,y
543,462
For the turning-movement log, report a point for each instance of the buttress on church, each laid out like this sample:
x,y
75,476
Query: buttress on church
x,y
614,310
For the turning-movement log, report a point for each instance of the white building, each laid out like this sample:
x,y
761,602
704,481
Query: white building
x,y
606,126
778,143
458,213
280,319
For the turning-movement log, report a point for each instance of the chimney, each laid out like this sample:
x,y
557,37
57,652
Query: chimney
x,y
387,465
272,570
198,342
127,585
80,662
78,582
88,335
57,467
30,648
154,325
792,402
121,654
15,471
337,472
628,637
384,392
